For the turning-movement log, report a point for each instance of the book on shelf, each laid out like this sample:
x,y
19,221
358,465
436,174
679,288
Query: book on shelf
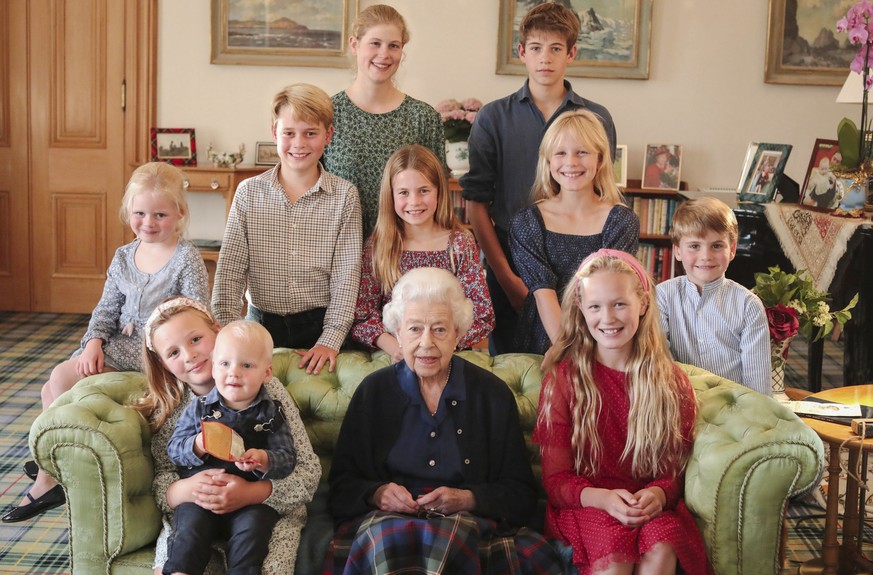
x,y
655,214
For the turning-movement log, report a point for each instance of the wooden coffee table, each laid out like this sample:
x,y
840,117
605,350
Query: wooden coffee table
x,y
845,557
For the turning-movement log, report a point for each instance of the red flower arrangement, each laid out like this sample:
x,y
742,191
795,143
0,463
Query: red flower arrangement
x,y
783,322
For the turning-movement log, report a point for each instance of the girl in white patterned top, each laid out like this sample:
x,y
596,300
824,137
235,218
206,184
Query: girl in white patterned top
x,y
159,263
180,337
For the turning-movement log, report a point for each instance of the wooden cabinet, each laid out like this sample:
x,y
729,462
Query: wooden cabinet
x,y
224,181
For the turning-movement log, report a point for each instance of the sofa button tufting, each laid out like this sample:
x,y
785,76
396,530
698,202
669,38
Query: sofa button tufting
x,y
431,462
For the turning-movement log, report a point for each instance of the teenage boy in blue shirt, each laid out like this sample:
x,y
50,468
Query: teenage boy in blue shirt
x,y
504,143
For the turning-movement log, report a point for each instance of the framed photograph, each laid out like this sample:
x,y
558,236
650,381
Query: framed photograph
x,y
259,33
614,40
174,145
662,167
803,46
266,154
758,184
619,166
820,190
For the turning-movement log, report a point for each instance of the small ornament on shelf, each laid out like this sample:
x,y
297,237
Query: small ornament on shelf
x,y
226,159
457,120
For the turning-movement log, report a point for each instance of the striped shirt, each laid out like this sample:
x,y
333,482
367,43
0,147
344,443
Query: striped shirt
x,y
292,257
722,330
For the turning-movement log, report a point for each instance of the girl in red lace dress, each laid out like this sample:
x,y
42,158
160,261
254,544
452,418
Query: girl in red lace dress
x,y
417,227
615,427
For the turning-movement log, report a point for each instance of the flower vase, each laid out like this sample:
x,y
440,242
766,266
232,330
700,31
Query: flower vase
x,y
458,157
778,355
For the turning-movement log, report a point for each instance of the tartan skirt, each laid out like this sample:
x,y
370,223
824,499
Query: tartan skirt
x,y
382,542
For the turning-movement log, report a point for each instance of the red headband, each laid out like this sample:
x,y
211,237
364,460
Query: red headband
x,y
625,257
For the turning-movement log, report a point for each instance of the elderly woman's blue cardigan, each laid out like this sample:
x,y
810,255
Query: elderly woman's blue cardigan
x,y
496,463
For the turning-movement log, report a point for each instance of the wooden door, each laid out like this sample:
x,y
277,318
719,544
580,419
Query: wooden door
x,y
14,184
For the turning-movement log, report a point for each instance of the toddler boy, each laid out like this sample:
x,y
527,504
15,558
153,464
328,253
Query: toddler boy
x,y
710,321
241,365
292,243
504,143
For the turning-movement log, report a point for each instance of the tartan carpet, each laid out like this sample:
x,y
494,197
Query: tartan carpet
x,y
31,344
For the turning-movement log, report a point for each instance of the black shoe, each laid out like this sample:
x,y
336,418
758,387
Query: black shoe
x,y
31,469
52,498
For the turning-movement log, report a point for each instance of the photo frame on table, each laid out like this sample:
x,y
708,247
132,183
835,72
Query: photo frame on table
x,y
266,154
619,166
759,179
795,52
662,167
282,34
618,48
820,190
174,145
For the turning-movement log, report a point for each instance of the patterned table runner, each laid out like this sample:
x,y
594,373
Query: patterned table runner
x,y
814,241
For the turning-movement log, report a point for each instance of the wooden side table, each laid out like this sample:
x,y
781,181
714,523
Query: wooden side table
x,y
845,557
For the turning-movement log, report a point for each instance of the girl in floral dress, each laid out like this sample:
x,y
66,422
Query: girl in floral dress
x,y
179,339
417,227
615,429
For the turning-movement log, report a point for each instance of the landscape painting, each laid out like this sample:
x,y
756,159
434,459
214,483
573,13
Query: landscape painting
x,y
614,37
281,32
803,46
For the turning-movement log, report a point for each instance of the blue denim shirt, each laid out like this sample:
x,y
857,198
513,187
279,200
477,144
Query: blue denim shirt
x,y
504,145
262,426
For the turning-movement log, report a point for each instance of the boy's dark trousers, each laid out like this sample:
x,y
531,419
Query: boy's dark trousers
x,y
247,532
295,330
503,338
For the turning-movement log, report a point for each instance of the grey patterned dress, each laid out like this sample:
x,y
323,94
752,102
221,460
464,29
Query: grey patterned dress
x,y
546,259
289,497
363,142
130,296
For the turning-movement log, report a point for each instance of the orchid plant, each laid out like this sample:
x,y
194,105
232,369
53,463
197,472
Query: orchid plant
x,y
854,147
458,117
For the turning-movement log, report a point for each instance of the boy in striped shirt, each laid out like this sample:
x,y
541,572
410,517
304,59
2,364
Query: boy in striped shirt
x,y
710,321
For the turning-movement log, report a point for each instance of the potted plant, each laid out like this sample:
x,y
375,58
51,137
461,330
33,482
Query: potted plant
x,y
856,164
794,305
457,121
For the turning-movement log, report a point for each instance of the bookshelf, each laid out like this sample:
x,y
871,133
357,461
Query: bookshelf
x,y
655,208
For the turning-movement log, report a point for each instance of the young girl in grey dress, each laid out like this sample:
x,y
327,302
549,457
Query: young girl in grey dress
x,y
578,210
157,264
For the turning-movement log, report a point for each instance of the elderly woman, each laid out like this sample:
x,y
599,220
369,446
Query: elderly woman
x,y
430,472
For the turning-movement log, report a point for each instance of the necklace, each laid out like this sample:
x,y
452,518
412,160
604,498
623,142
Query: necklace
x,y
448,375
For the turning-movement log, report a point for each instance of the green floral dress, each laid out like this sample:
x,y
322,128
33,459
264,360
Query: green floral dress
x,y
363,142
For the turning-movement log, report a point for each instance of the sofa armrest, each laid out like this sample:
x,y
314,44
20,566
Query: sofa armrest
x,y
98,450
750,455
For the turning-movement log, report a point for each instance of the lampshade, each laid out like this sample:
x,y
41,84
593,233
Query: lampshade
x,y
853,90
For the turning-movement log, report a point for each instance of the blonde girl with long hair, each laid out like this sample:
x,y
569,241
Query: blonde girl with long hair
x,y
577,210
417,227
615,428
373,117
179,339
158,263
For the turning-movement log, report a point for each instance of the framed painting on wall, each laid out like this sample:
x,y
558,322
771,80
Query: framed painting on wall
x,y
803,46
174,145
303,33
819,189
758,182
614,39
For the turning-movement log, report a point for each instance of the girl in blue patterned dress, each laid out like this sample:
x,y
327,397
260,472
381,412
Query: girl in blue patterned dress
x,y
157,264
578,209
417,228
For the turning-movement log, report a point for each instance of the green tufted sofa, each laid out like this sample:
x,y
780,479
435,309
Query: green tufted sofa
x,y
750,456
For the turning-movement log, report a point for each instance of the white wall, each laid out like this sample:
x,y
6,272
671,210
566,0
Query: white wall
x,y
705,90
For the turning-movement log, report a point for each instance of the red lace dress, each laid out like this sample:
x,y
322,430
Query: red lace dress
x,y
596,537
